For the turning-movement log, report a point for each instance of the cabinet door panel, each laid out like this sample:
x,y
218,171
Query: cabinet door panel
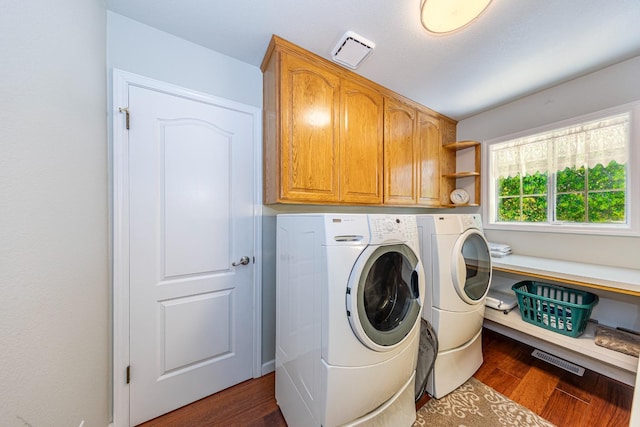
x,y
399,154
310,113
361,134
429,142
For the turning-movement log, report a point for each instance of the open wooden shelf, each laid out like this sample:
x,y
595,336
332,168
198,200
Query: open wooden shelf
x,y
453,175
461,145
461,174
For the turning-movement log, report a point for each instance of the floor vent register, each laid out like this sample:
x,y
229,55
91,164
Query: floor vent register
x,y
560,363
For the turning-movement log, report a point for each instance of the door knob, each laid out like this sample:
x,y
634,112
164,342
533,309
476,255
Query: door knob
x,y
243,261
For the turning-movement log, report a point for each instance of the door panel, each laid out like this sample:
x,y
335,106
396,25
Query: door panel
x,y
361,141
399,154
429,142
191,216
310,113
203,343
196,209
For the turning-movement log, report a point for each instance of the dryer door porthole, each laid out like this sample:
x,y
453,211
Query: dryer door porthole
x,y
383,298
471,267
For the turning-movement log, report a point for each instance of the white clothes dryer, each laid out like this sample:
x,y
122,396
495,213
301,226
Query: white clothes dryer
x,y
457,264
349,296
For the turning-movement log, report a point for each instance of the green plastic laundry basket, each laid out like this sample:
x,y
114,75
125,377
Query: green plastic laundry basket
x,y
556,308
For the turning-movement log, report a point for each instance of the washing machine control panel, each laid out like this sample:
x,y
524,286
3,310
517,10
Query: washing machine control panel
x,y
392,227
471,221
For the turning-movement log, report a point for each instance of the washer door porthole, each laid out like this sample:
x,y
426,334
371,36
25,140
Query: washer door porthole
x,y
384,298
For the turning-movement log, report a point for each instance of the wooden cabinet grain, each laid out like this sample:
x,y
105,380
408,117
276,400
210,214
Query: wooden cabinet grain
x,y
322,132
334,137
361,139
428,169
412,155
400,150
308,148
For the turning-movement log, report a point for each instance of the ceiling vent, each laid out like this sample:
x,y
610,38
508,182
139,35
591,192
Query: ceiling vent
x,y
352,49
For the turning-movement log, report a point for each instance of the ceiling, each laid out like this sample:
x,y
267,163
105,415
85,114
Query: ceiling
x,y
517,47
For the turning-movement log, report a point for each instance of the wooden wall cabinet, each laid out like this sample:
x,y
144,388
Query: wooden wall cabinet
x,y
412,141
334,137
322,132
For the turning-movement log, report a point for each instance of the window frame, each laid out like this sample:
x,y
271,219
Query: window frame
x,y
632,226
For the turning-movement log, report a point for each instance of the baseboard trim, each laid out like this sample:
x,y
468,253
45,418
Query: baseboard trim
x,y
269,367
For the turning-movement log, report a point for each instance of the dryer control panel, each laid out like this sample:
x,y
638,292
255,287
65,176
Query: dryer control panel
x,y
393,227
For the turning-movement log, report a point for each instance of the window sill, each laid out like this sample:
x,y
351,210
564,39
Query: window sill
x,y
622,231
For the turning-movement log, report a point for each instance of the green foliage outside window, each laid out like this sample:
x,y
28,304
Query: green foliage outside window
x,y
509,209
523,199
583,195
571,207
570,179
535,184
534,209
606,207
612,177
509,186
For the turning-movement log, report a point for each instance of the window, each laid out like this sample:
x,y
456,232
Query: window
x,y
572,177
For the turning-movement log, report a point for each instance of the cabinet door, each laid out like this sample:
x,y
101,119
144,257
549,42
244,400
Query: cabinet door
x,y
399,153
310,102
361,135
429,142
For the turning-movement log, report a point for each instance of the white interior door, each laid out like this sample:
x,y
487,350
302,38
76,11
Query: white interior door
x,y
191,195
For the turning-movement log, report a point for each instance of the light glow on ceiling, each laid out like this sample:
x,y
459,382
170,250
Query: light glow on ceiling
x,y
445,16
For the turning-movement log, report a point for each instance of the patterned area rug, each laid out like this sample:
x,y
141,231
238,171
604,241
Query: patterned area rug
x,y
474,404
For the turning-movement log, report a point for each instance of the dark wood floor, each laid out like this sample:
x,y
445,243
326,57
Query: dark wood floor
x,y
558,396
555,394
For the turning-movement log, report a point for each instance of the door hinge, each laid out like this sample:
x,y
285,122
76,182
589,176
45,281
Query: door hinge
x,y
128,374
125,110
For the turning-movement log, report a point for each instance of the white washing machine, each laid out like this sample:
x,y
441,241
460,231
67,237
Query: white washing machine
x,y
349,297
457,263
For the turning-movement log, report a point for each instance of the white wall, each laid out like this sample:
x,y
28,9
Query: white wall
x,y
143,50
54,318
612,86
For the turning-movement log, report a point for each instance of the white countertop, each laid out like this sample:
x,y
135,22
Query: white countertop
x,y
619,279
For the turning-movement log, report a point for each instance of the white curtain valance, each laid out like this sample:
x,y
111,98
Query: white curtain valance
x,y
588,144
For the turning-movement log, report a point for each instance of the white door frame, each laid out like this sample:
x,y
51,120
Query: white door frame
x,y
122,80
